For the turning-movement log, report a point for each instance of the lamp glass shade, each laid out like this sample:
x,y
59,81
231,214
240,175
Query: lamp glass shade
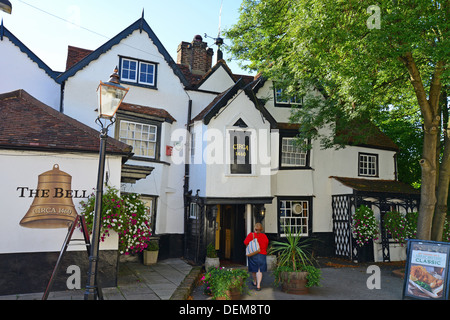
x,y
110,96
5,6
262,211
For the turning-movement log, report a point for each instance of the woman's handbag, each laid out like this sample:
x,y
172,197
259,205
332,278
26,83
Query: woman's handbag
x,y
252,247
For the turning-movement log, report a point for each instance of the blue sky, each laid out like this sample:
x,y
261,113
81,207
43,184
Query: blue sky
x,y
47,27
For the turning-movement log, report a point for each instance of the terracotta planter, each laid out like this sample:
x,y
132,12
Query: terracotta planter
x,y
150,257
294,282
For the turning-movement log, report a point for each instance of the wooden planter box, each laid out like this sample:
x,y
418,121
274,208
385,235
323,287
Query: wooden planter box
x,y
294,282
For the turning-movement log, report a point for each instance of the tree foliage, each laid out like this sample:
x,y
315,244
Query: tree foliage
x,y
362,58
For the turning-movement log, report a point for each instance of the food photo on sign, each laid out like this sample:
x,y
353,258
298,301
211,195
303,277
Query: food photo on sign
x,y
427,270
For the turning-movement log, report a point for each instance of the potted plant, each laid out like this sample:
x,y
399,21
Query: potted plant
x,y
151,253
212,260
295,269
225,284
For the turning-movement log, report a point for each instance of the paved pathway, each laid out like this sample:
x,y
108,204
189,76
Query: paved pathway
x,y
135,282
174,279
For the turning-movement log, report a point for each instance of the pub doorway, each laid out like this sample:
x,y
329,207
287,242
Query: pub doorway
x,y
230,234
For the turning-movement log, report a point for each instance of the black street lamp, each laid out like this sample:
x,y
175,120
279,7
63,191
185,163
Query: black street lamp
x,y
110,96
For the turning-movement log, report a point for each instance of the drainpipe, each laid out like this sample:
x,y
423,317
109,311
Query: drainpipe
x,y
186,176
61,97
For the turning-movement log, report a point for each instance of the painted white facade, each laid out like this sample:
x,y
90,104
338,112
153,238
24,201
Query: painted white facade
x,y
324,163
209,165
21,69
166,178
210,168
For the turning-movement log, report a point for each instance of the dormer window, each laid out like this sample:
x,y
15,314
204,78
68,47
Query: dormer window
x,y
138,72
282,100
368,165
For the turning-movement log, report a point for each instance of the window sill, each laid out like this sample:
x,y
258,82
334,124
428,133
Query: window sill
x,y
136,84
295,168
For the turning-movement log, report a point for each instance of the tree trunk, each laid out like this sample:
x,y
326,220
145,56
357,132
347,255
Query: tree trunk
x,y
429,109
444,179
428,187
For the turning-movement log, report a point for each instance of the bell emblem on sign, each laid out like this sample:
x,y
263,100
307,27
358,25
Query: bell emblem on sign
x,y
52,207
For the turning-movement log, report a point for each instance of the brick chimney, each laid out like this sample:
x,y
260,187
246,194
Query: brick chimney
x,y
195,55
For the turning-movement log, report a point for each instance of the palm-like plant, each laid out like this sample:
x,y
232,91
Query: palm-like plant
x,y
294,256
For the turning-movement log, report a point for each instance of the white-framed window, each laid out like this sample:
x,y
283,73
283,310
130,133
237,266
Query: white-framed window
x,y
296,214
283,100
129,70
368,165
137,71
194,210
142,137
147,73
293,154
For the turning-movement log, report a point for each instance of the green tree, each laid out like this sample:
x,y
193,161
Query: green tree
x,y
404,126
362,58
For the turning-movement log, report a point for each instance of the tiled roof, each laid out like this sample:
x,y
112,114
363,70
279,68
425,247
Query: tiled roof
x,y
375,185
75,54
154,112
28,124
364,133
193,79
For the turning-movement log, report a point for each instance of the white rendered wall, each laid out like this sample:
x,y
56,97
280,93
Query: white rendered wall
x,y
166,180
18,71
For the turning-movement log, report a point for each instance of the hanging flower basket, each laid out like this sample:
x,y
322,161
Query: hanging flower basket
x,y
125,214
365,226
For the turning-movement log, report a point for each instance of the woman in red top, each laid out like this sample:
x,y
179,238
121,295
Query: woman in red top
x,y
257,263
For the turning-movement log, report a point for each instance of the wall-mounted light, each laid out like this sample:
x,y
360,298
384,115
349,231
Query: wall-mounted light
x,y
262,212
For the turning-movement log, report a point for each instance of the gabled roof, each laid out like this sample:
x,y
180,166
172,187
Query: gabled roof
x,y
220,63
140,25
28,124
222,100
4,32
364,133
196,80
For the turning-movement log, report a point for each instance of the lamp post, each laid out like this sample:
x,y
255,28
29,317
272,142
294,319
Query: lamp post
x,y
5,6
110,96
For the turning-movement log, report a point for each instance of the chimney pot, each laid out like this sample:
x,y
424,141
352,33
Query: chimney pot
x,y
195,55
